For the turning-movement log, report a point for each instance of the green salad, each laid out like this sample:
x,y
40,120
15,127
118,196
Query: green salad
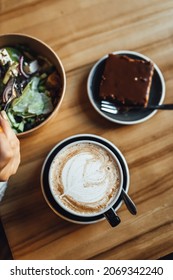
x,y
29,87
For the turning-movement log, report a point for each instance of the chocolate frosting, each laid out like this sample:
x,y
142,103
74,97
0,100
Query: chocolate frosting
x,y
126,80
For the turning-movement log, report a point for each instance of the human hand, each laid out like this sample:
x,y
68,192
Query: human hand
x,y
9,149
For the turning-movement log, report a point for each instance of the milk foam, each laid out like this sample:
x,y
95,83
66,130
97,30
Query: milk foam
x,y
84,177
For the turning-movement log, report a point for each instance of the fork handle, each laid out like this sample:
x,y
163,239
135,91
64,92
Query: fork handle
x,y
160,107
149,107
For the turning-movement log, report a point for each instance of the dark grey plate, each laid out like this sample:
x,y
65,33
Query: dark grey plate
x,y
157,92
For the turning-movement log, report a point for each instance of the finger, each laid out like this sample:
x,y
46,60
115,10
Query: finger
x,y
6,152
1,130
5,125
4,115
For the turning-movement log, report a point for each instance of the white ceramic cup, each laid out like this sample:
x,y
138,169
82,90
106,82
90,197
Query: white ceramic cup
x,y
88,174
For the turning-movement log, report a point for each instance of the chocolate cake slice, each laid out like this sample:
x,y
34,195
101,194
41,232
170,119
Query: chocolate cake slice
x,y
126,80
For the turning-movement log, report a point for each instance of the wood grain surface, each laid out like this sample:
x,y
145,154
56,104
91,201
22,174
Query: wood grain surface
x,y
81,32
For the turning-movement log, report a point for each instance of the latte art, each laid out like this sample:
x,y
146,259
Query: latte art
x,y
84,178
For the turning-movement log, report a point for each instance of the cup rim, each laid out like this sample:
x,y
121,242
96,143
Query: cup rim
x,y
118,193
45,184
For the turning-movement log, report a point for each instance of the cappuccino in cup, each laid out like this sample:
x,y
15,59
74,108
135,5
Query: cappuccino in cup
x,y
85,178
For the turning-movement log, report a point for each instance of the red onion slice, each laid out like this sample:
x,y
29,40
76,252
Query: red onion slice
x,y
8,90
21,61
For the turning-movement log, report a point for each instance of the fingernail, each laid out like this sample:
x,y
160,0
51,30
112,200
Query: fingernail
x,y
4,115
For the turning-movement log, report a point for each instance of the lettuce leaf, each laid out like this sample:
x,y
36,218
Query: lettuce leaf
x,y
32,101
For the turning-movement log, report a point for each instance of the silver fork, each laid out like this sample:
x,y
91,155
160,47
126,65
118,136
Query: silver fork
x,y
114,108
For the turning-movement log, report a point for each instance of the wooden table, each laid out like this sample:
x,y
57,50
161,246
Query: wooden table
x,y
81,32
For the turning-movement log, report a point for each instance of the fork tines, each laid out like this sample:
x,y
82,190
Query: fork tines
x,y
108,107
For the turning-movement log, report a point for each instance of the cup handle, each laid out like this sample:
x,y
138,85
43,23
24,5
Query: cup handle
x,y
112,217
